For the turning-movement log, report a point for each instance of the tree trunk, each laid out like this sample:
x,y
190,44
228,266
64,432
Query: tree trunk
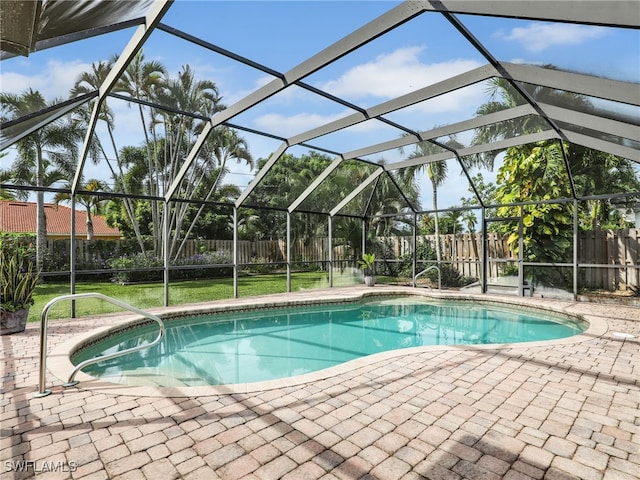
x,y
437,231
41,219
89,225
41,231
120,179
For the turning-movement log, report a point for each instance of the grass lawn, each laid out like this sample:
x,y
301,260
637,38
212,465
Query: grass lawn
x,y
150,295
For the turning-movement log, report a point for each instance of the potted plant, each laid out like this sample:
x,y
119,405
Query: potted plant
x,y
17,283
367,264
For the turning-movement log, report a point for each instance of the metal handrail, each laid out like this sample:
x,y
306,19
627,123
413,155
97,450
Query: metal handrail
x,y
436,267
44,320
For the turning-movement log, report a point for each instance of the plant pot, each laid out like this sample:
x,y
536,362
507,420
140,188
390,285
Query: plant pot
x,y
13,322
369,280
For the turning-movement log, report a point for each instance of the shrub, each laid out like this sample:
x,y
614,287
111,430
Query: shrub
x,y
145,260
424,252
154,267
202,259
451,277
386,255
262,265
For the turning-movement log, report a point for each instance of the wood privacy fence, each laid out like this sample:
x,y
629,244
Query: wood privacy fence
x,y
619,250
265,251
612,256
609,259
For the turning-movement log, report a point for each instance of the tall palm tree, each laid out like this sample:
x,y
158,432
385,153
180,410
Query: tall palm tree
x,y
222,145
142,80
183,92
387,199
89,82
46,156
437,174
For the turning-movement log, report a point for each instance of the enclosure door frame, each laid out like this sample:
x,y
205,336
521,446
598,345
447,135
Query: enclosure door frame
x,y
486,260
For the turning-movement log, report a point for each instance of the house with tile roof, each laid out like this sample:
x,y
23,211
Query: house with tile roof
x,y
20,217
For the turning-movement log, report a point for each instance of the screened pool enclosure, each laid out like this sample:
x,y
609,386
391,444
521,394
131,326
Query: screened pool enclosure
x,y
486,145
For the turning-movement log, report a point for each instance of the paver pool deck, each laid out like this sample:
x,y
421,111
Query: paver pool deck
x,y
563,409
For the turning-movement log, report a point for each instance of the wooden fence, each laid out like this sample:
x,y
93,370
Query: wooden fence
x,y
266,251
614,254
619,250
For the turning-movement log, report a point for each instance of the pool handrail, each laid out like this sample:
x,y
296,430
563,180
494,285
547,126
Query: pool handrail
x,y
432,267
44,320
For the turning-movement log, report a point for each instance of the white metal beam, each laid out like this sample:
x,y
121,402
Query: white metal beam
x,y
152,18
606,88
603,146
387,21
616,13
593,122
319,179
458,81
414,162
52,116
261,174
356,191
451,129
487,147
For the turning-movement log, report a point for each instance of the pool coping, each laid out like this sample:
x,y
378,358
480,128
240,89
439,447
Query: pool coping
x,y
60,366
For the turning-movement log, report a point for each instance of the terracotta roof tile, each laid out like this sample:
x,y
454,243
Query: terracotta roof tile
x,y
20,217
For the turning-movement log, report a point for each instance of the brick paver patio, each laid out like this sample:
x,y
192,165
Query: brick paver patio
x,y
556,410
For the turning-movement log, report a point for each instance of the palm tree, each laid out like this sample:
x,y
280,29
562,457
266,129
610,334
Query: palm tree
x,y
142,80
6,176
91,81
387,199
92,203
593,172
223,145
184,93
437,174
46,156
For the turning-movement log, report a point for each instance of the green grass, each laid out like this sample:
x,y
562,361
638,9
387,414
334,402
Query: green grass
x,y
150,295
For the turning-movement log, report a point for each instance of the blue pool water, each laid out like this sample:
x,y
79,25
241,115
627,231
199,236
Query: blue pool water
x,y
253,346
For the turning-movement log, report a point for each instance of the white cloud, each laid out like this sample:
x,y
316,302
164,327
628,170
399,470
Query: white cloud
x,y
53,81
395,74
456,101
288,126
537,37
232,94
387,76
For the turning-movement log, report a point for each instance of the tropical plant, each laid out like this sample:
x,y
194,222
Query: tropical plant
x,y
46,156
92,202
394,193
437,173
535,172
172,138
18,280
593,172
89,82
6,176
546,171
367,263
223,145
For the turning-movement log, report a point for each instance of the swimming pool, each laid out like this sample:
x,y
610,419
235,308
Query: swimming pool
x,y
273,343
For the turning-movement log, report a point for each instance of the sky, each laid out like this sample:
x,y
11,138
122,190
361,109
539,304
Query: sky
x,y
281,35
